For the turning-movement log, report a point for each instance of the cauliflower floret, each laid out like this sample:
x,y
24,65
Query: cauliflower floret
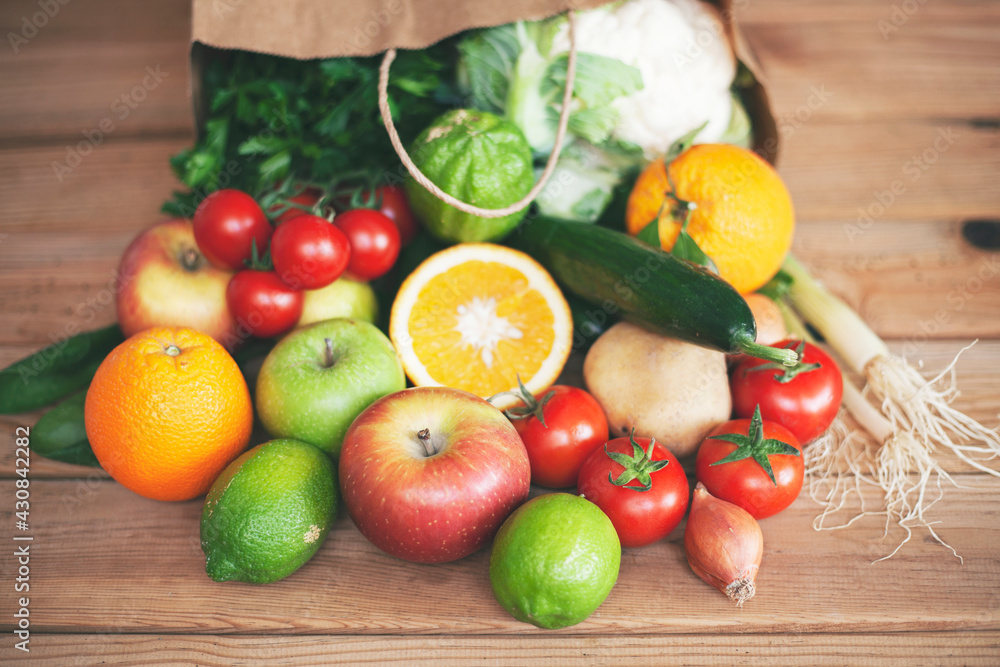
x,y
687,66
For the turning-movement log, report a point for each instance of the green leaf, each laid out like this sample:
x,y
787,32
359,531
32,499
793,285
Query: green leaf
x,y
650,234
685,247
599,80
683,143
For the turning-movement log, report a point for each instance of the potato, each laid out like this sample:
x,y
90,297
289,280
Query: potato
x,y
667,389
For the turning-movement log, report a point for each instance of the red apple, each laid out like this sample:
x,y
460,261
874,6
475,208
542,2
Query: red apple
x,y
428,474
166,281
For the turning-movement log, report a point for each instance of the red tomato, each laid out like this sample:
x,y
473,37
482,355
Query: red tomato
x,y
374,242
306,198
396,207
226,225
614,478
559,431
309,253
752,463
262,304
804,399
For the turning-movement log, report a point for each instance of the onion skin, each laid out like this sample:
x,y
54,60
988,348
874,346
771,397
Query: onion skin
x,y
724,545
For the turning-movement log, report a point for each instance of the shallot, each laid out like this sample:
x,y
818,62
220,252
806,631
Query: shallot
x,y
724,545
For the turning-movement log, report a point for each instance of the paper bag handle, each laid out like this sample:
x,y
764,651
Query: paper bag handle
x,y
419,177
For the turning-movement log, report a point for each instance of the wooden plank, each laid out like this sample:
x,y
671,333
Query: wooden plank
x,y
830,172
909,280
106,561
71,73
68,77
877,60
893,170
105,93
117,189
791,12
882,650
912,280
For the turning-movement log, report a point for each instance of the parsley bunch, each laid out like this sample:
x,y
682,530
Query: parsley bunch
x,y
285,123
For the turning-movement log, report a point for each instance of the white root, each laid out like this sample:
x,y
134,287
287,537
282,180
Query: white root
x,y
914,421
922,407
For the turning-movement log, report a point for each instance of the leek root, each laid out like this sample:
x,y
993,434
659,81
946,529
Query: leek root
x,y
913,421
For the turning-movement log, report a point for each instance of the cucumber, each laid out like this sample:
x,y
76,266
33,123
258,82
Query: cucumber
x,y
628,278
56,371
589,321
60,433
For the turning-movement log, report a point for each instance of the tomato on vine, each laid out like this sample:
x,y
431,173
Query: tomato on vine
x,y
228,224
639,484
374,241
262,303
753,463
803,398
309,252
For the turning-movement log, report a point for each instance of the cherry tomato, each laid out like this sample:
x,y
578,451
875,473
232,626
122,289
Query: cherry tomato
x,y
309,253
374,242
226,225
262,304
804,398
752,463
559,430
307,198
640,485
396,207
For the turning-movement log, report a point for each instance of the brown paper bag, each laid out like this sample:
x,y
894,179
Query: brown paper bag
x,y
306,29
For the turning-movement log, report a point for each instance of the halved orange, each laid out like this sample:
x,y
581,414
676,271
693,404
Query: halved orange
x,y
476,316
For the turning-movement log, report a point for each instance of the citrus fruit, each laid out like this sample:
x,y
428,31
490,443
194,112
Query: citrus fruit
x,y
476,316
268,512
554,560
479,158
740,211
167,410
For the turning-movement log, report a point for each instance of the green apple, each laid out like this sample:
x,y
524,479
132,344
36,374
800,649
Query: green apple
x,y
317,379
343,297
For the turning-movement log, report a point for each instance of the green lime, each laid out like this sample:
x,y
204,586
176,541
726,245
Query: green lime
x,y
268,512
555,560
481,159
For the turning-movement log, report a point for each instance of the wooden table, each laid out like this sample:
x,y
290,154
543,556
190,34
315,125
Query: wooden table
x,y
889,115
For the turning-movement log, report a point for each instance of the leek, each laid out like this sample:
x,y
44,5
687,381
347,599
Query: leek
x,y
913,420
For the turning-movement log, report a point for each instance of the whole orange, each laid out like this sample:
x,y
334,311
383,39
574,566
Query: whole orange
x,y
167,410
740,211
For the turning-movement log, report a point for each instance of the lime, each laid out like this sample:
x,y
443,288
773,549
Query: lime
x,y
554,560
481,159
268,512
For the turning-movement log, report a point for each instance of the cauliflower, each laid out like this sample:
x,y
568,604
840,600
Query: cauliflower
x,y
648,73
685,60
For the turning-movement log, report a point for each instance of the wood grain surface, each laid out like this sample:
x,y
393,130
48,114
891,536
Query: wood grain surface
x,y
889,114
